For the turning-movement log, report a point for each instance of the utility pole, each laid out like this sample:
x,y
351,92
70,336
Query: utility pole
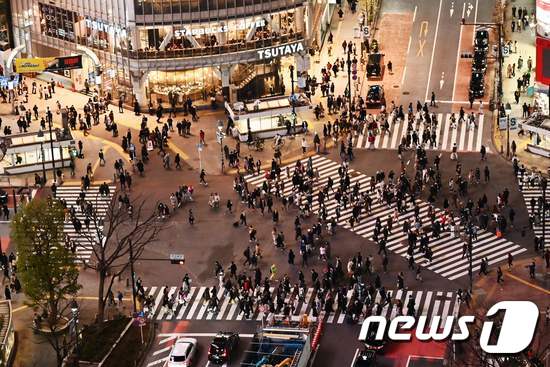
x,y
132,274
291,68
470,254
349,84
543,184
51,147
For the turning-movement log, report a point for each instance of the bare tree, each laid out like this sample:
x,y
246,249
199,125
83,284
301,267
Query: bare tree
x,y
128,227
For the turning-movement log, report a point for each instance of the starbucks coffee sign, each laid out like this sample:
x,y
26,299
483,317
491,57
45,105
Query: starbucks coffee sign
x,y
280,51
239,26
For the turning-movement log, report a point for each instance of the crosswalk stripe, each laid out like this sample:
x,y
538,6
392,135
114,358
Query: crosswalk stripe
x,y
423,301
184,307
471,139
163,310
530,192
83,240
480,135
447,258
446,136
196,304
446,133
463,128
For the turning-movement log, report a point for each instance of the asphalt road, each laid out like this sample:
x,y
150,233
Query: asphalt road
x,y
434,44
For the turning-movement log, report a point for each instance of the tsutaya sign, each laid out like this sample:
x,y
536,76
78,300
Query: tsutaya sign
x,y
279,51
240,26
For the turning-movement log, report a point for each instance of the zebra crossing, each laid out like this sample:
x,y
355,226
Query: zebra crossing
x,y
448,259
466,138
427,303
70,195
530,192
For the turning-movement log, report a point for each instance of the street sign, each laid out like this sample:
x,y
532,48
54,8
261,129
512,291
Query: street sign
x,y
177,258
513,123
366,31
505,51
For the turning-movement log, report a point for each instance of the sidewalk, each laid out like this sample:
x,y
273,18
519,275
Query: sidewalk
x,y
525,48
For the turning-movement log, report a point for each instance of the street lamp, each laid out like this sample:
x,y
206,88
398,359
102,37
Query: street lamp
x,y
75,314
220,135
292,98
40,137
51,148
543,185
349,83
508,110
470,253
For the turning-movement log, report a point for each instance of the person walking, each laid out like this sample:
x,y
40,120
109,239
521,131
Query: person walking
x,y
191,217
432,100
500,278
532,268
390,67
101,157
202,179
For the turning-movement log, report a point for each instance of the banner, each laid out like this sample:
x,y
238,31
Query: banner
x,y
39,64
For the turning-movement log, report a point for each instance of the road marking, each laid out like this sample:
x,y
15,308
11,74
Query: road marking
x,y
165,340
527,283
403,77
463,128
354,357
414,14
162,360
480,133
421,44
446,132
423,28
442,80
452,10
195,304
475,21
458,53
162,350
433,49
199,335
409,45
20,308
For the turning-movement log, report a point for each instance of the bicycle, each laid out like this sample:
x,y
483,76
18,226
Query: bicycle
x,y
256,144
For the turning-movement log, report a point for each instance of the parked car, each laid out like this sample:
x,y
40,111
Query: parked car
x,y
477,85
182,353
222,347
481,40
371,343
479,62
365,358
374,67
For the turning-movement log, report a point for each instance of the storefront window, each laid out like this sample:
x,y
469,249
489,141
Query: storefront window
x,y
98,34
57,22
197,84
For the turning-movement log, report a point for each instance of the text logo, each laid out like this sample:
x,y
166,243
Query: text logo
x,y
516,331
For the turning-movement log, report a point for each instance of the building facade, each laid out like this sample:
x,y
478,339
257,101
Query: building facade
x,y
152,50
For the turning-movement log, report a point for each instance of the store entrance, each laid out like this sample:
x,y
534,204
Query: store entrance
x,y
254,81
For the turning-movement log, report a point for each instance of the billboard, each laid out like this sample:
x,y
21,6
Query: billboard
x,y
39,64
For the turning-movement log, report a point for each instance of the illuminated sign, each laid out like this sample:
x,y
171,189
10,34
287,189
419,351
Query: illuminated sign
x,y
242,25
39,64
279,51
